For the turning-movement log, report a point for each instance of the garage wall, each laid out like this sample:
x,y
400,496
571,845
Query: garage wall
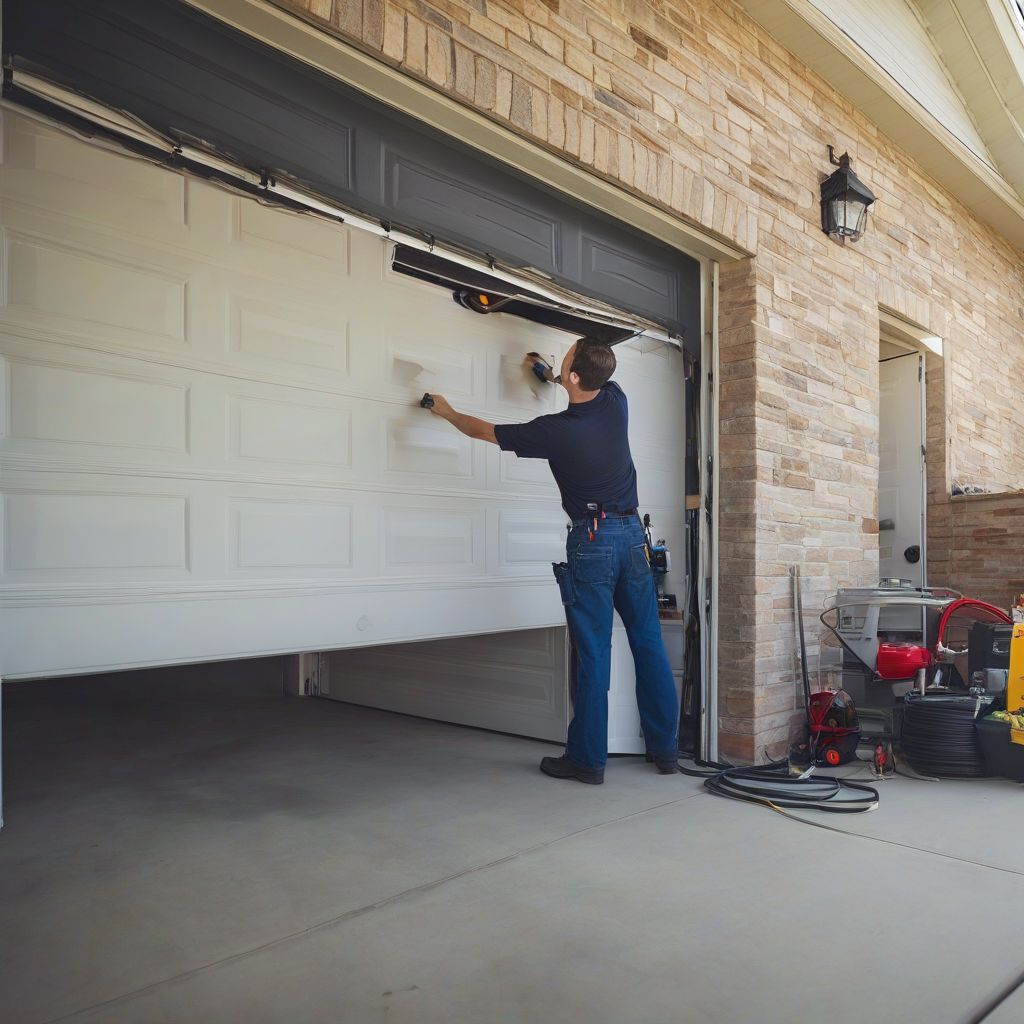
x,y
211,440
515,682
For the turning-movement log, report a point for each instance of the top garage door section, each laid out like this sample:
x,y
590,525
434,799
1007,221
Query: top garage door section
x,y
196,80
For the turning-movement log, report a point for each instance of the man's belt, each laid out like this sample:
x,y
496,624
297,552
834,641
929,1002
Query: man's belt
x,y
626,513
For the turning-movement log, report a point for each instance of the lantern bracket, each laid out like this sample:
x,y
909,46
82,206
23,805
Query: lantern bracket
x,y
839,161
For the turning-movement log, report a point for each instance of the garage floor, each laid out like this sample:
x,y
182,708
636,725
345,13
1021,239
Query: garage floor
x,y
180,854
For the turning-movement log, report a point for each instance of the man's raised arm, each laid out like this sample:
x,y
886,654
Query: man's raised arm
x,y
479,429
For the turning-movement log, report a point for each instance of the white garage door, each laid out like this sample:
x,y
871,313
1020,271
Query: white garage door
x,y
211,444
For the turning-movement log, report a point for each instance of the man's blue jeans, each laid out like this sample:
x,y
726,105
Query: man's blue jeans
x,y
612,571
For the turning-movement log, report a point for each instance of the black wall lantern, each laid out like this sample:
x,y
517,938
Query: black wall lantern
x,y
844,200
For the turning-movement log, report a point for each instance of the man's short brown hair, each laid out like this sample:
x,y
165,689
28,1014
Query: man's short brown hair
x,y
593,362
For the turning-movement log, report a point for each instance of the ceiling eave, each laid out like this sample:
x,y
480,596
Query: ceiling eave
x,y
982,49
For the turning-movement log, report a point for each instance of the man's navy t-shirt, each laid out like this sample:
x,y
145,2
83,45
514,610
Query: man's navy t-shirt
x,y
587,447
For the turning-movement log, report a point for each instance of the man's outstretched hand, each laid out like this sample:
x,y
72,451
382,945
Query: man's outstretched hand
x,y
478,429
441,407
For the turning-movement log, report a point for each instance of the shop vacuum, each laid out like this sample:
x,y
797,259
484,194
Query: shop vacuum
x,y
833,732
833,729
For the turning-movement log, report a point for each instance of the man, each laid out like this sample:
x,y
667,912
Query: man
x,y
607,565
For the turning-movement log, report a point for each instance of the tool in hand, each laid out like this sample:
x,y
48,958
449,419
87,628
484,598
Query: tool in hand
x,y
427,401
543,370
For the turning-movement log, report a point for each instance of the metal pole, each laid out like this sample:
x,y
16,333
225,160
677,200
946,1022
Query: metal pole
x,y
803,644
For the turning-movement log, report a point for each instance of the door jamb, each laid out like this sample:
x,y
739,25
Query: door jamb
x,y
709,479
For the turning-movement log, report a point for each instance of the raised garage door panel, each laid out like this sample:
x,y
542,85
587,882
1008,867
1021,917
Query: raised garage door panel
x,y
193,78
216,450
211,443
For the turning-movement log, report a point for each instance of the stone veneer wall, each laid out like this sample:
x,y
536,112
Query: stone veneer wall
x,y
692,105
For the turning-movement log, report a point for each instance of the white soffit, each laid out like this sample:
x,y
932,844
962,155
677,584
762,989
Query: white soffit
x,y
894,34
950,148
983,49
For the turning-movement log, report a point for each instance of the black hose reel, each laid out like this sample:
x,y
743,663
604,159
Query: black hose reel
x,y
939,738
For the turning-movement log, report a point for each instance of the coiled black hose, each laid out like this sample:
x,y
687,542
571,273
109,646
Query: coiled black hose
x,y
772,784
939,737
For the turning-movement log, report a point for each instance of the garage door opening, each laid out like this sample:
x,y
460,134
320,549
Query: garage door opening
x,y
520,681
213,444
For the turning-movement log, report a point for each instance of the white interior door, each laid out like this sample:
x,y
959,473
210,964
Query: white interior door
x,y
901,486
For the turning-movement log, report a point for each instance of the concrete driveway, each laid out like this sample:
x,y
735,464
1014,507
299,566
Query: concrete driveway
x,y
186,856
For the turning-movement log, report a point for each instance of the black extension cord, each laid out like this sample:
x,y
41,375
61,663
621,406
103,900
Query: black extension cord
x,y
771,784
939,738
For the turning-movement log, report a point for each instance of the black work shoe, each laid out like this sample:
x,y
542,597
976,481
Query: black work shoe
x,y
563,768
665,765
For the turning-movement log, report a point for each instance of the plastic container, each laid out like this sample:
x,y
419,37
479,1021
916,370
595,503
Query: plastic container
x,y
1001,756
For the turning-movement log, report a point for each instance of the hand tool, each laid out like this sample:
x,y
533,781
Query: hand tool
x,y
543,370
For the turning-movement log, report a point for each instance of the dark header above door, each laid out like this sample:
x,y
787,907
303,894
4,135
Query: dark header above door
x,y
203,83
